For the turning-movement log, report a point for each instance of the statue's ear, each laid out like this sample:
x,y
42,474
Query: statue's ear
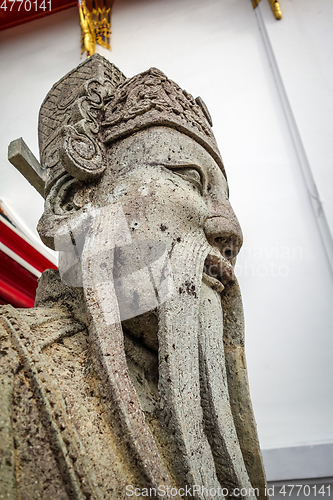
x,y
66,201
80,153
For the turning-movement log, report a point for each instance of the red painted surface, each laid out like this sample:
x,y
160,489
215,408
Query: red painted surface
x,y
19,12
17,284
23,249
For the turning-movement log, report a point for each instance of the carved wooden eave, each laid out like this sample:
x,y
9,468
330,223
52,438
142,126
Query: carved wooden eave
x,y
14,16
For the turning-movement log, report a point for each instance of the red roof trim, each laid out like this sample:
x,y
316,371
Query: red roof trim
x,y
15,17
23,249
17,285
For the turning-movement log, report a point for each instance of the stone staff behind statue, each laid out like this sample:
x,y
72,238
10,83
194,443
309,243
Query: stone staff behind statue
x,y
129,376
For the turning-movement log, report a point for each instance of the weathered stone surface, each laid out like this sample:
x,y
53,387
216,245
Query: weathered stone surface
x,y
130,372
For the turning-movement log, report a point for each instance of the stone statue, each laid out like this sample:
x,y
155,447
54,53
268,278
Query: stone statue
x,y
128,378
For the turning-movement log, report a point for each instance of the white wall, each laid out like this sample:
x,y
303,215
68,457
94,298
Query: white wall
x,y
215,49
302,47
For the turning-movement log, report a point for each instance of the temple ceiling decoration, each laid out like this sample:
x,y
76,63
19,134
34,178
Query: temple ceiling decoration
x,y
14,13
95,16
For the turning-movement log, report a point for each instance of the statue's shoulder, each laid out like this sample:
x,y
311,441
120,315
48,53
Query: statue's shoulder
x,y
15,340
24,336
59,312
27,441
41,326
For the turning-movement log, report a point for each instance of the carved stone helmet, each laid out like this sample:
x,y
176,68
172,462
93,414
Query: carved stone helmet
x,y
95,105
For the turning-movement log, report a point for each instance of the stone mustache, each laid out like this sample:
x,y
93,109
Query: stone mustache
x,y
128,378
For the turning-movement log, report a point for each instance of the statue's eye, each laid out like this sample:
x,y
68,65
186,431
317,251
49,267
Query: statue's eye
x,y
191,175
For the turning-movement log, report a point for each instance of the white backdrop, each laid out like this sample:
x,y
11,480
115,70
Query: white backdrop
x,y
215,49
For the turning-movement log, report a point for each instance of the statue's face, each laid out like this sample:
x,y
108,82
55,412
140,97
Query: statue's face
x,y
170,189
169,186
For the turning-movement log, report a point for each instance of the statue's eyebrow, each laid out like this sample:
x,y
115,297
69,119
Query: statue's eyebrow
x,y
174,164
184,164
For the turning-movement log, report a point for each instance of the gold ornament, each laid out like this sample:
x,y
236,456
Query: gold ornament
x,y
95,20
275,6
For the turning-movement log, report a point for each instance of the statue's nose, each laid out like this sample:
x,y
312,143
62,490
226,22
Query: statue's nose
x,y
223,231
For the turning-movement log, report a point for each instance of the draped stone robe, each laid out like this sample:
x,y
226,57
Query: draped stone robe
x,y
60,440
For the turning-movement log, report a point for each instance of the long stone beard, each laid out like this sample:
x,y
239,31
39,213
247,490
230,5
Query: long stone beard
x,y
193,390
109,358
193,385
